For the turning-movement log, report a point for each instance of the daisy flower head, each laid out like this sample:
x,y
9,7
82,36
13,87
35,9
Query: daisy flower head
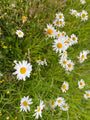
x,y
39,110
19,33
82,1
87,94
73,39
58,34
60,101
53,104
70,65
65,86
50,31
65,107
81,84
84,15
24,19
40,62
25,102
59,45
23,70
59,16
63,34
63,62
76,13
83,55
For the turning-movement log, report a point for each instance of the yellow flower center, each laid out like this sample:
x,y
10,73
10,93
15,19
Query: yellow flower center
x,y
83,15
57,22
59,45
64,62
23,70
53,103
64,86
61,22
75,13
20,33
73,38
63,34
87,95
65,42
50,31
64,106
39,109
81,83
69,65
82,56
58,35
60,16
69,39
23,17
25,103
59,101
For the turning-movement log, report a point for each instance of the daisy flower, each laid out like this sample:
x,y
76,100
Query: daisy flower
x,y
64,54
84,15
82,1
81,84
69,65
87,94
60,16
65,86
63,62
24,19
50,31
53,104
58,34
65,107
39,110
56,22
63,33
19,33
25,102
59,45
23,70
60,101
83,55
73,39
59,22
76,13
40,62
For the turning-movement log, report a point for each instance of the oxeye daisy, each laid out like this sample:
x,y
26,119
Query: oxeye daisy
x,y
24,19
56,22
84,15
40,62
59,45
63,33
61,23
50,31
82,1
83,55
39,110
87,94
25,102
65,86
60,16
65,107
53,104
76,13
19,33
60,101
23,70
73,39
81,84
58,34
69,65
63,62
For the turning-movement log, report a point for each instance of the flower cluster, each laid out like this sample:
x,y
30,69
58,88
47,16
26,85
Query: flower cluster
x,y
40,62
59,20
60,102
82,14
